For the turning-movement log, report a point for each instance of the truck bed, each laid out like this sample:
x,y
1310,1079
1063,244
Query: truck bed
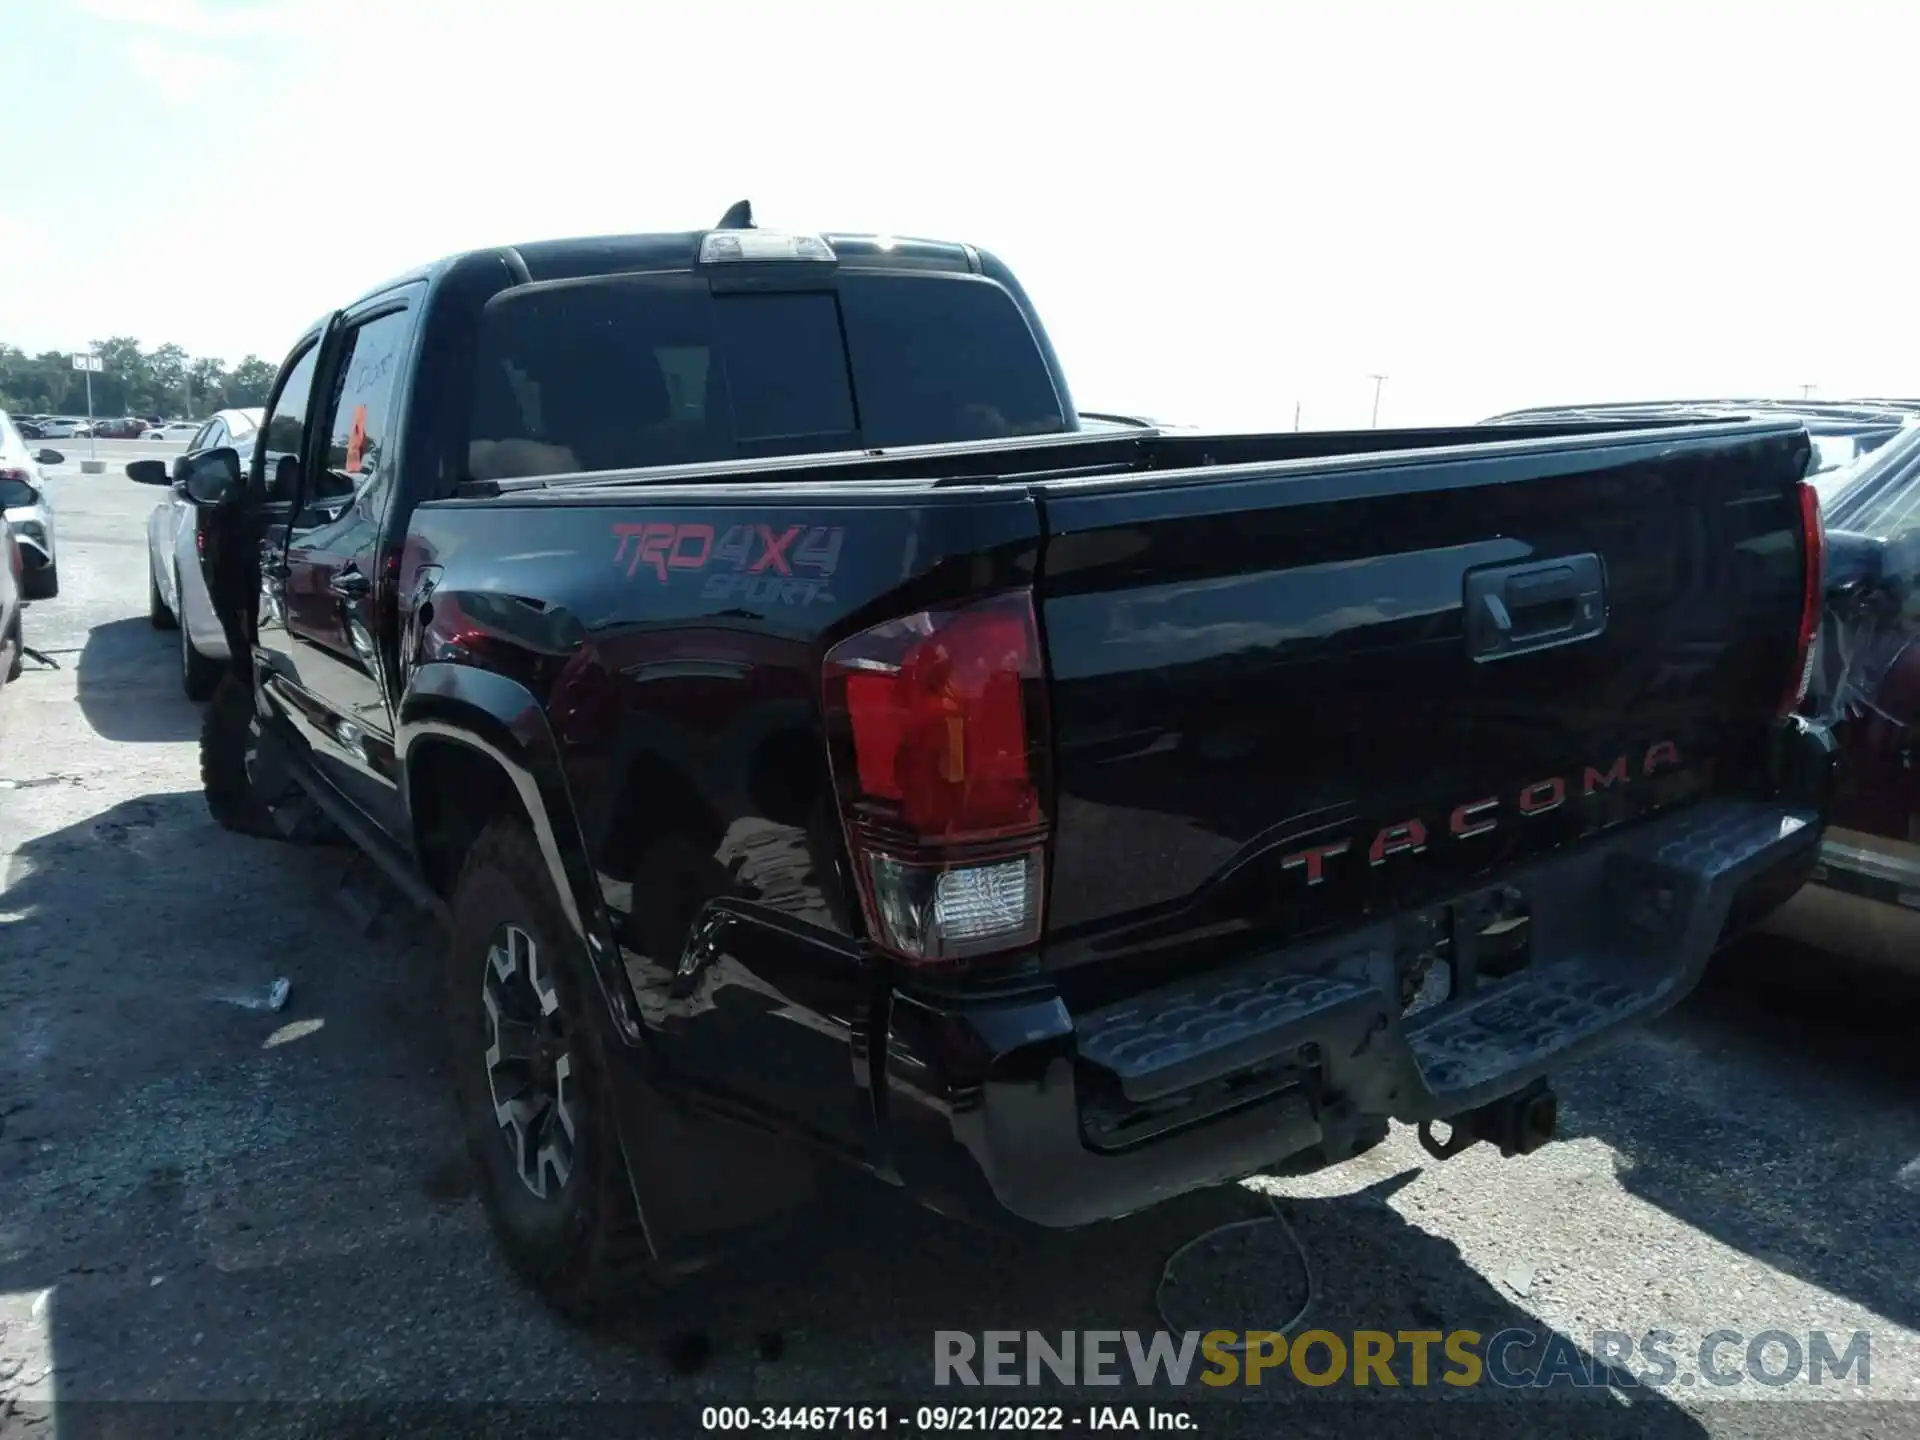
x,y
1097,454
1271,699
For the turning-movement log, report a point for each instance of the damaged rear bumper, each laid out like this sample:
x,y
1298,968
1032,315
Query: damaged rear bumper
x,y
1018,1105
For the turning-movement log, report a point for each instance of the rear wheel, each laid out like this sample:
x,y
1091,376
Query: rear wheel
x,y
157,612
226,737
199,675
19,661
529,1074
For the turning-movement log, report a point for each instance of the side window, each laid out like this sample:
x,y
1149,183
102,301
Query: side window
x,y
359,414
200,439
284,426
214,435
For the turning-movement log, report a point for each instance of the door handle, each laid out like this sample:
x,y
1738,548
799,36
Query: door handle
x,y
1514,609
349,584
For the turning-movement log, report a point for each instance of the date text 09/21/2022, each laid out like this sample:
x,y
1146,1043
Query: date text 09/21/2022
x,y
937,1419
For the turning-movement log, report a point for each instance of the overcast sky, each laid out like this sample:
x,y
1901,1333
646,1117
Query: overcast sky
x,y
1221,211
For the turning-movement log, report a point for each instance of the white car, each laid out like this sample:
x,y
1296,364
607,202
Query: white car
x,y
28,511
177,596
181,429
62,429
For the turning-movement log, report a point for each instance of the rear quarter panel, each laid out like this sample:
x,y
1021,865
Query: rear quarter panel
x,y
674,641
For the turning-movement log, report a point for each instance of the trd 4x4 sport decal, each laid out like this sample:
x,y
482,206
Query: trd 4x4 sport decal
x,y
775,563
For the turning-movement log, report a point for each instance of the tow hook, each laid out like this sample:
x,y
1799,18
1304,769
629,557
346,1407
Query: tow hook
x,y
1519,1124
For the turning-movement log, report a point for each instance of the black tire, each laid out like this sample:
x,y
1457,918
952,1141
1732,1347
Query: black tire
x,y
158,615
580,1246
199,674
226,735
19,661
41,584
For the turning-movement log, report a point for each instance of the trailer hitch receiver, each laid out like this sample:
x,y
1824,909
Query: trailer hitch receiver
x,y
1519,1124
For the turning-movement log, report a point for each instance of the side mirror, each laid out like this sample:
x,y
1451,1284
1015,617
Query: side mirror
x,y
50,457
148,472
213,477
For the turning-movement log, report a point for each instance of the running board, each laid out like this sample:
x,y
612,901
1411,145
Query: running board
x,y
386,855
374,844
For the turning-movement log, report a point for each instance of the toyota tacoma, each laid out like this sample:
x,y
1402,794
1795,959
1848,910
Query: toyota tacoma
x,y
822,749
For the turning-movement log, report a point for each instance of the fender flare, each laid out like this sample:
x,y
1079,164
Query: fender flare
x,y
501,720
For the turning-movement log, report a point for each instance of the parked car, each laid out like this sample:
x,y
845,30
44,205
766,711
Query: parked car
x,y
12,621
1866,891
173,430
176,585
29,429
28,509
822,749
59,429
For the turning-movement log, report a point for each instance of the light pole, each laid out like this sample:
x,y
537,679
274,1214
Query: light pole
x,y
1378,381
1806,392
1296,415
87,362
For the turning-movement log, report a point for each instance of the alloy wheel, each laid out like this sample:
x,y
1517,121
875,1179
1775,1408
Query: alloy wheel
x,y
530,1068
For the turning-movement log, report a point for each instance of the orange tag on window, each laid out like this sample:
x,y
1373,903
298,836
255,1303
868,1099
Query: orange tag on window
x,y
357,440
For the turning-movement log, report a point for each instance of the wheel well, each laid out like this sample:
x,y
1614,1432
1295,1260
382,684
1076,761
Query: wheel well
x,y
453,791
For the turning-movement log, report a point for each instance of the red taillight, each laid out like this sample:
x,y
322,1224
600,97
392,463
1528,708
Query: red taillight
x,y
937,723
1814,538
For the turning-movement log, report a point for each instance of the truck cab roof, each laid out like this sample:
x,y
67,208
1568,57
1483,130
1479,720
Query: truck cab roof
x,y
582,257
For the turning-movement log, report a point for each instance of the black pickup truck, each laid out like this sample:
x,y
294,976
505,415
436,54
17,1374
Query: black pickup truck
x,y
823,747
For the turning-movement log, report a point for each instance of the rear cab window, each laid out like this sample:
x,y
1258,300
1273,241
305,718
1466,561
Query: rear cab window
x,y
626,372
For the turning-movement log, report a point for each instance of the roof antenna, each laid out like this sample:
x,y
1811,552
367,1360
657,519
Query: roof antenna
x,y
739,216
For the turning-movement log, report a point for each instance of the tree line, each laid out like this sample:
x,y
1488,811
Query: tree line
x,y
164,381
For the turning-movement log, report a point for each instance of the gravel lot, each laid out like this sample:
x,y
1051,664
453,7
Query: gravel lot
x,y
204,1202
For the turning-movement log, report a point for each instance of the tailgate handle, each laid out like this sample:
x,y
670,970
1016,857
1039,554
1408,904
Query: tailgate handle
x,y
1514,609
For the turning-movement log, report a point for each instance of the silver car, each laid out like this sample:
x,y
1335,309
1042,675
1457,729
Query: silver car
x,y
29,511
177,596
13,640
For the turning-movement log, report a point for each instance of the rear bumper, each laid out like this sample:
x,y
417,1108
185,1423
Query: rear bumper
x,y
1018,1105
32,527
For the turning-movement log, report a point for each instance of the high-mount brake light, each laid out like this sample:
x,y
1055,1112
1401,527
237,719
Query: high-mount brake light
x,y
721,246
1813,597
938,727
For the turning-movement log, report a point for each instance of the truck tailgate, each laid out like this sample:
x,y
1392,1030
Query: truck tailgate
x,y
1293,696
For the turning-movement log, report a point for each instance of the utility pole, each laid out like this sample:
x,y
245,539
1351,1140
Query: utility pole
x,y
1806,392
1296,415
87,362
1378,381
